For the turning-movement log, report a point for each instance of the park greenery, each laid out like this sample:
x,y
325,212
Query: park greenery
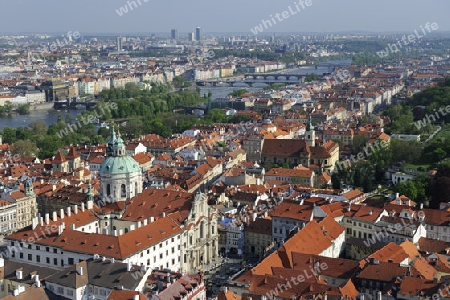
x,y
413,156
238,93
139,111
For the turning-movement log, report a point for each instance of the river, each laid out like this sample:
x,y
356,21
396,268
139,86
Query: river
x,y
51,116
220,92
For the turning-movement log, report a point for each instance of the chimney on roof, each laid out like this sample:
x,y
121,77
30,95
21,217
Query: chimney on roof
x,y
68,210
41,221
54,216
136,297
80,270
37,281
75,209
379,295
72,226
34,222
421,205
128,266
145,222
90,204
61,228
139,224
152,219
47,218
82,206
370,212
61,214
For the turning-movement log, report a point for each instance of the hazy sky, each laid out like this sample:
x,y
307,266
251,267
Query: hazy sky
x,y
91,16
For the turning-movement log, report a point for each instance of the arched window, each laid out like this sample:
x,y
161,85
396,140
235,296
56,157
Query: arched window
x,y
123,190
108,189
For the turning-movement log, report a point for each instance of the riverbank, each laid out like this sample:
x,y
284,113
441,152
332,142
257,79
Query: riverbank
x,y
42,106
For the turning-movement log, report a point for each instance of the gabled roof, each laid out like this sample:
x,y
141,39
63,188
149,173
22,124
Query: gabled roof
x,y
285,148
72,154
382,271
155,202
125,295
59,158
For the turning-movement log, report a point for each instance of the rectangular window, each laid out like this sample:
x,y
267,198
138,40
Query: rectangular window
x,y
38,258
55,261
30,257
47,260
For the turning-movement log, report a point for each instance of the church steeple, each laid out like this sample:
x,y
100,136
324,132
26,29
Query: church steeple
x,y
110,143
28,187
119,147
115,145
90,194
310,134
309,124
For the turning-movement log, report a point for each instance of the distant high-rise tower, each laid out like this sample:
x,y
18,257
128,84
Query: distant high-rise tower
x,y
198,34
191,36
174,34
119,43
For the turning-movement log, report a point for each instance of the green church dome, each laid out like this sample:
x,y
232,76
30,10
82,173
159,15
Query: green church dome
x,y
119,165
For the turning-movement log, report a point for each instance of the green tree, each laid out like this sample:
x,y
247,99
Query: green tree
x,y
48,146
238,93
8,107
359,142
357,177
367,184
38,128
9,135
407,188
335,181
25,148
23,109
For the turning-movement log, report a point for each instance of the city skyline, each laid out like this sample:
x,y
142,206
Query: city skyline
x,y
143,16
